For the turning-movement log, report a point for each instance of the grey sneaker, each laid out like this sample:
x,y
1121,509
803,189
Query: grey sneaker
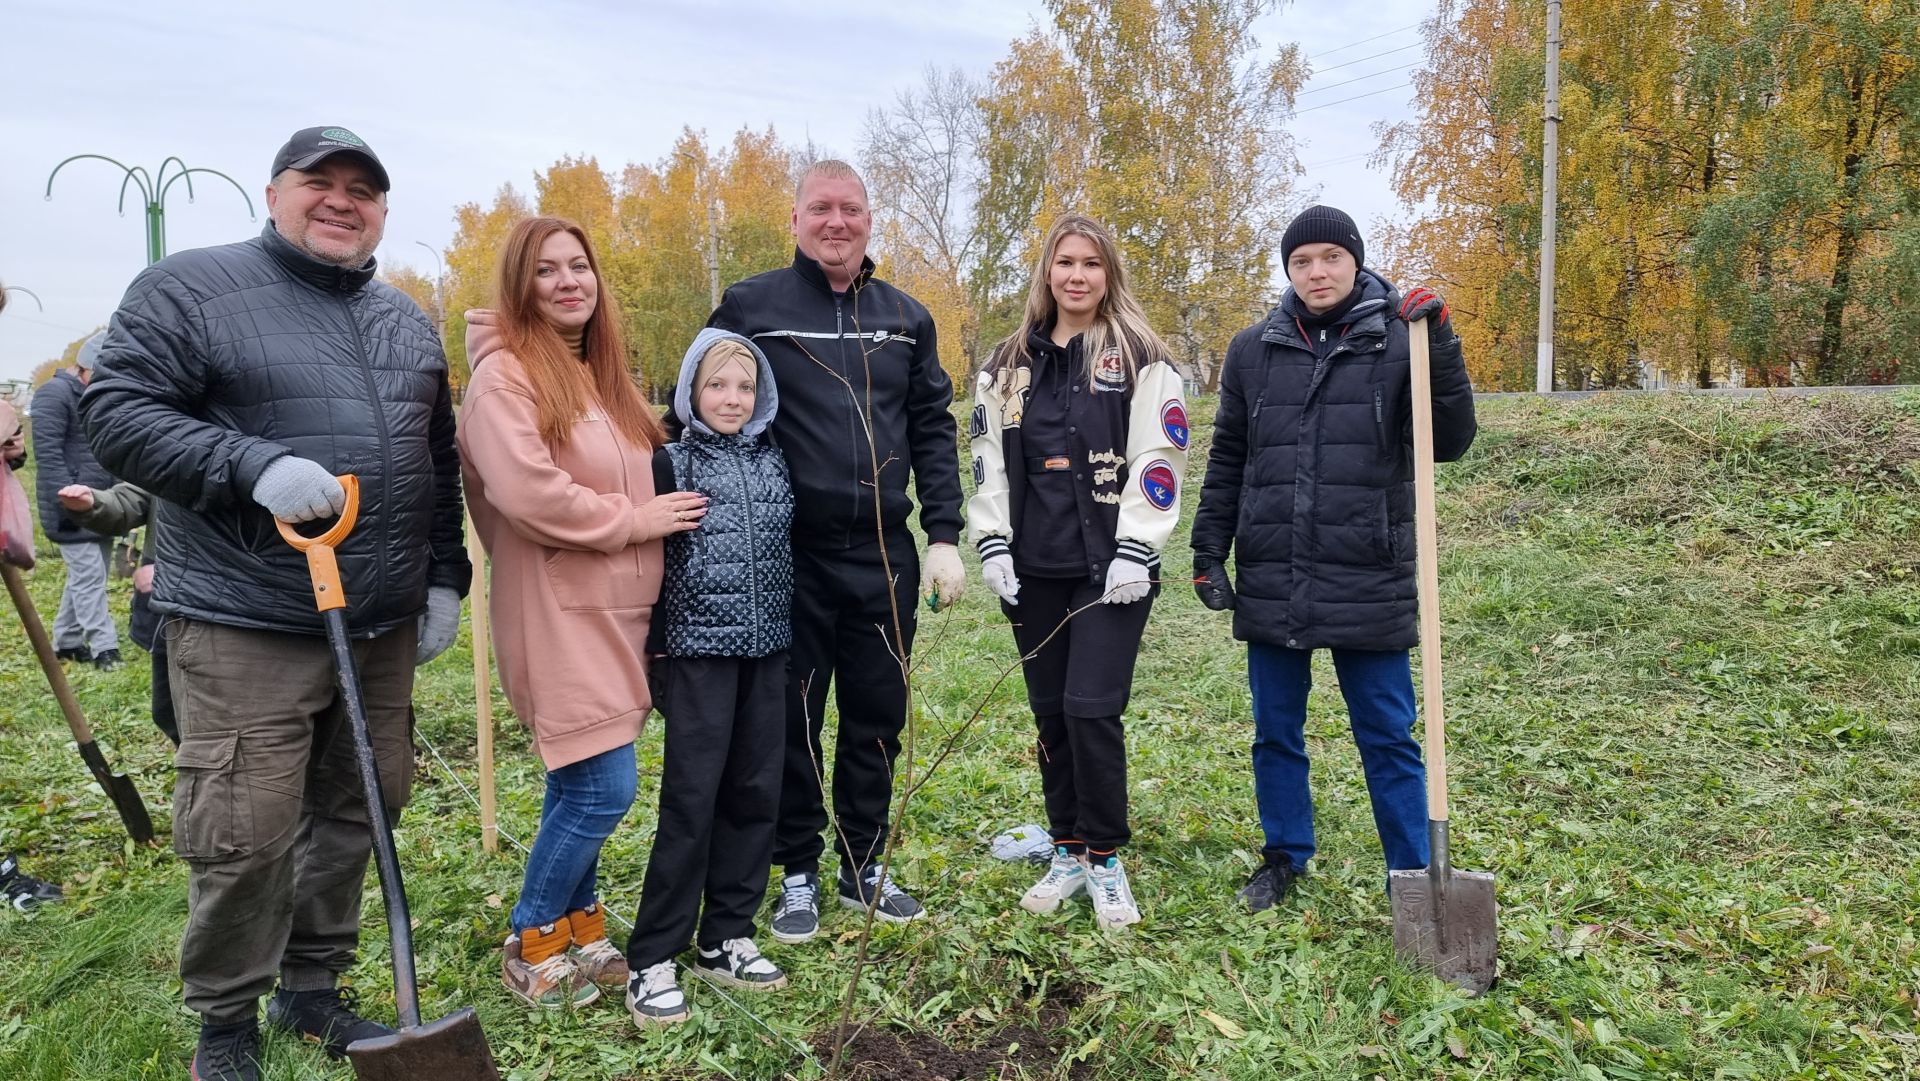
x,y
739,963
896,905
796,916
1066,875
1113,904
654,996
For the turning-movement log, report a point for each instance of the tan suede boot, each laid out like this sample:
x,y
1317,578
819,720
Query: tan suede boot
x,y
536,968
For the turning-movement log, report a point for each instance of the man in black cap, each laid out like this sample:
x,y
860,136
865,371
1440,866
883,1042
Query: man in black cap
x,y
1310,482
235,384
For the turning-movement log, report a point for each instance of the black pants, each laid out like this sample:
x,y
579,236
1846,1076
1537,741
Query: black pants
x,y
719,793
144,628
1078,683
843,633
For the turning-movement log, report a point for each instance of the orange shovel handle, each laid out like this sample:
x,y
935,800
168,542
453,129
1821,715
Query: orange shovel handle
x,y
321,565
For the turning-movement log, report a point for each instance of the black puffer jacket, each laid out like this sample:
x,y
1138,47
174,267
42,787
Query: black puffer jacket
x,y
221,360
1311,476
60,449
879,342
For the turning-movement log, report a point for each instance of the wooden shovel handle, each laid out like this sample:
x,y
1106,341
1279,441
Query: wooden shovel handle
x,y
328,593
1427,537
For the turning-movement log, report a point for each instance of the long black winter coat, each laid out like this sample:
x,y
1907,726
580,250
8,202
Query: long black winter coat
x,y
1310,480
221,360
60,449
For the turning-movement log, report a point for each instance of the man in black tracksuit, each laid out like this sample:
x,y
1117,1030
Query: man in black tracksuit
x,y
851,355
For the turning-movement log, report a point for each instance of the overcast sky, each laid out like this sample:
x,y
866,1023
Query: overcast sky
x,y
458,100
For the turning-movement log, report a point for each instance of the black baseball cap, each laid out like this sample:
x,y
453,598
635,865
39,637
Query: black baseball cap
x,y
310,146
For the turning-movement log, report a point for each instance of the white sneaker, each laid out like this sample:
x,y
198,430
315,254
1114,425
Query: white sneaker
x,y
1113,903
1066,875
654,997
739,963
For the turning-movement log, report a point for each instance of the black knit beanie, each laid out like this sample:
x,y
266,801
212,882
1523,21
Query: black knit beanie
x,y
1323,225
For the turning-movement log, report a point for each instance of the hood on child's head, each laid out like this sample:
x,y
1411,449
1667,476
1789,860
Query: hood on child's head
x,y
766,397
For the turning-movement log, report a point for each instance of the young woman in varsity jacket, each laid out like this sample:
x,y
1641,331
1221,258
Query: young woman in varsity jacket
x,y
1079,440
720,644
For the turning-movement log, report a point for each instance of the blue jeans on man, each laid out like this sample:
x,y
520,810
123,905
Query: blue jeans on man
x,y
1378,688
585,801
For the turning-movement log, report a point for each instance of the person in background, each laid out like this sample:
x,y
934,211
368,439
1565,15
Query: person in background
x,y
1310,485
1079,436
113,512
557,444
83,628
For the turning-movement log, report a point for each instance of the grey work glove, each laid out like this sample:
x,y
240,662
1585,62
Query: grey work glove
x,y
299,490
439,624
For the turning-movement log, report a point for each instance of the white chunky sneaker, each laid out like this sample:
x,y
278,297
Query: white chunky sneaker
x,y
1113,903
654,997
739,963
1066,875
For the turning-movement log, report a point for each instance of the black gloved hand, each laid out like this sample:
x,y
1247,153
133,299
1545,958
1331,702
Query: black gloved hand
x,y
1211,583
1424,303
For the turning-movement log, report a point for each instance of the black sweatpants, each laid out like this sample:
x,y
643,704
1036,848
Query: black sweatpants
x,y
719,793
1078,683
843,637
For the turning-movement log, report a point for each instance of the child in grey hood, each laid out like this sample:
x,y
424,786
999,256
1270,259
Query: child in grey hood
x,y
723,626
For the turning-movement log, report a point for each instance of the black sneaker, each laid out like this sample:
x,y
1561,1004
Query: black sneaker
x,y
326,1017
796,916
22,890
1268,885
83,654
229,1052
896,905
107,660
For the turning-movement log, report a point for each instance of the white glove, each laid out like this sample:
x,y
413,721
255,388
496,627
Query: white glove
x,y
1126,582
998,572
299,490
439,624
944,581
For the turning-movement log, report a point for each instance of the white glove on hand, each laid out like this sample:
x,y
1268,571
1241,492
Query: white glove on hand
x,y
1126,582
944,580
439,624
299,490
998,572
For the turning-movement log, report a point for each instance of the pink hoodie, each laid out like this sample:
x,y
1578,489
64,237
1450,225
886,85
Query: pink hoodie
x,y
571,600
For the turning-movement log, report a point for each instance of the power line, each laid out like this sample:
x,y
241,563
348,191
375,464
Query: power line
x,y
1362,41
1338,161
1374,56
1360,79
1356,97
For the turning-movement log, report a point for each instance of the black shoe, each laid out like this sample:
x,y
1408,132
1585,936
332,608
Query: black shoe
x,y
796,916
107,660
896,905
324,1016
22,890
82,654
229,1052
1268,885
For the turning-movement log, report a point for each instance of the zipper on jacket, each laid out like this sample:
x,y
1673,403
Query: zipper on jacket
x,y
840,330
1379,420
386,447
753,577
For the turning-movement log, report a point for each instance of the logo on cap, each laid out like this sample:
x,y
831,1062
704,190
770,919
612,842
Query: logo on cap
x,y
342,135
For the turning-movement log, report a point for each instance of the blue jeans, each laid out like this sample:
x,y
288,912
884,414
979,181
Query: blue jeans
x,y
1378,687
585,802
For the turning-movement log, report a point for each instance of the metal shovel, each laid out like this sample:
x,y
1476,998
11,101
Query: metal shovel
x,y
1443,919
118,787
452,1048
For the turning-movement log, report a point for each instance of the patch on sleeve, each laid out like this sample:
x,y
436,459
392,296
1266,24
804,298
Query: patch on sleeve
x,y
1173,421
979,471
1159,484
977,427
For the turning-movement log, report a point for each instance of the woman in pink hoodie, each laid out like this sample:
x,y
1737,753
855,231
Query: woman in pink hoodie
x,y
557,448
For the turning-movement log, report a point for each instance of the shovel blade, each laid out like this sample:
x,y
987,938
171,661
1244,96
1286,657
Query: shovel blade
x,y
450,1049
1458,943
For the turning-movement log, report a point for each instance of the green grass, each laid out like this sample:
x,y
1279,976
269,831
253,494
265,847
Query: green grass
x,y
1683,642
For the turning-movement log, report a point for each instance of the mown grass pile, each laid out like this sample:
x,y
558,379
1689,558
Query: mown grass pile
x,y
1683,667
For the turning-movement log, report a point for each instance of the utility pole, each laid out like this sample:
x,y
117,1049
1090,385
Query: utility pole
x,y
1549,185
153,188
713,253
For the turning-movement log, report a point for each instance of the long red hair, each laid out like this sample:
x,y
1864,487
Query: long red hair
x,y
565,387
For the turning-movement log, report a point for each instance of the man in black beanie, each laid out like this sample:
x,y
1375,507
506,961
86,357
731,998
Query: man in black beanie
x,y
1311,479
